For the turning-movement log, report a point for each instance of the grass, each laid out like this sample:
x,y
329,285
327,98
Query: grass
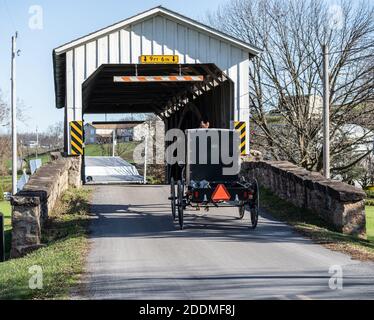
x,y
5,184
370,222
6,181
124,150
94,150
62,258
311,225
45,157
5,208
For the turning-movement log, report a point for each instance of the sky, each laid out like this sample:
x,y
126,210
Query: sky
x,y
62,21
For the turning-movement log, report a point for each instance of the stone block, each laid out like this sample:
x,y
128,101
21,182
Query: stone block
x,y
340,204
32,205
26,227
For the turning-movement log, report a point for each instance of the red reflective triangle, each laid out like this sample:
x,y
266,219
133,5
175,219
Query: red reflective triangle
x,y
221,193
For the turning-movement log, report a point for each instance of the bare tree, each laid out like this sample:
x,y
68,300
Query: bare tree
x,y
361,173
5,147
286,79
54,136
4,111
5,142
5,137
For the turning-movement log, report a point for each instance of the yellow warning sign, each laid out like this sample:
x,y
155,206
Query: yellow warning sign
x,y
159,59
241,127
76,137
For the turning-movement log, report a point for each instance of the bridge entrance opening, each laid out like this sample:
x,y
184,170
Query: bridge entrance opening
x,y
108,153
179,95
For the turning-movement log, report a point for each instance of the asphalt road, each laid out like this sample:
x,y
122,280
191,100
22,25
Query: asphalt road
x,y
138,252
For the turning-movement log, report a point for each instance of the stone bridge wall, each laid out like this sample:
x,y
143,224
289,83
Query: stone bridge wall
x,y
338,203
32,205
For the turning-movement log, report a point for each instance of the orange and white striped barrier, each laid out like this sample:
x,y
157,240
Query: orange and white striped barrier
x,y
157,78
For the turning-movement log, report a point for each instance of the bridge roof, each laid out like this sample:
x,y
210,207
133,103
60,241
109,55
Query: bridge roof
x,y
60,54
150,13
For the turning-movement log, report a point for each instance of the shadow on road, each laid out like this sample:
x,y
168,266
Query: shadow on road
x,y
297,285
154,220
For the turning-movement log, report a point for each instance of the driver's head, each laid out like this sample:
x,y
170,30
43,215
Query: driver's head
x,y
204,123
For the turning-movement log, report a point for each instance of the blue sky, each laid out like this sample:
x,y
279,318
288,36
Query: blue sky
x,y
62,21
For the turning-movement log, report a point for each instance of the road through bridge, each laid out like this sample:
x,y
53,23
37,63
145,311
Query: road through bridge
x,y
137,252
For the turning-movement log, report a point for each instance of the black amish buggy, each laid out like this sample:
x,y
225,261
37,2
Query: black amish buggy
x,y
210,176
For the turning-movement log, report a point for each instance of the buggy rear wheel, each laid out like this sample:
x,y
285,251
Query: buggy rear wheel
x,y
254,217
241,211
254,209
173,198
180,203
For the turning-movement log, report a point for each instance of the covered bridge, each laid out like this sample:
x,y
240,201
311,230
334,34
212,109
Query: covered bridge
x,y
215,67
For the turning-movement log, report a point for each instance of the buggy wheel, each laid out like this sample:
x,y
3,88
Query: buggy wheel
x,y
241,211
254,217
180,203
255,207
173,198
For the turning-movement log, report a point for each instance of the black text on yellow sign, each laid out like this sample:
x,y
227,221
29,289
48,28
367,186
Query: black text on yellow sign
x,y
76,138
241,127
159,59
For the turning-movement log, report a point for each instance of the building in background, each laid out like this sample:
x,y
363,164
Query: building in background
x,y
101,132
89,133
311,105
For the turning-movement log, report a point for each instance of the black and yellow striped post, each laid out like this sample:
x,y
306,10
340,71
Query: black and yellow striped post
x,y
241,127
76,138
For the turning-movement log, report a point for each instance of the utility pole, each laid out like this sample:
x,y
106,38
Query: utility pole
x,y
326,113
14,115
